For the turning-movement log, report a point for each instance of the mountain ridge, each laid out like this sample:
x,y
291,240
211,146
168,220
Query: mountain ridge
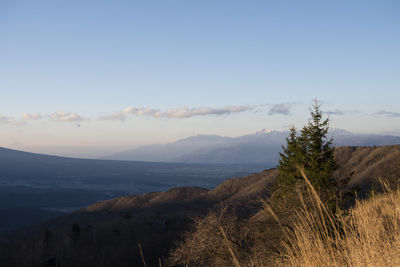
x,y
266,144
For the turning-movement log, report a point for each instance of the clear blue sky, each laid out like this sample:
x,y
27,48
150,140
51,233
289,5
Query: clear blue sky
x,y
140,72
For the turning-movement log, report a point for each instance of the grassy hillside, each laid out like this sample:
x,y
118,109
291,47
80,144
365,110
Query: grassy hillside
x,y
369,235
365,165
189,225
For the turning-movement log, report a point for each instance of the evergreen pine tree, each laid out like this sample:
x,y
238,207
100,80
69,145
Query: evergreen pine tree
x,y
313,151
319,151
289,159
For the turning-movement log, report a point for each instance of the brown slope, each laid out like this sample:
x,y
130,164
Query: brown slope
x,y
245,190
255,239
182,196
366,165
157,220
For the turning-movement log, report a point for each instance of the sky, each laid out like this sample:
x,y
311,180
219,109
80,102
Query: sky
x,y
129,73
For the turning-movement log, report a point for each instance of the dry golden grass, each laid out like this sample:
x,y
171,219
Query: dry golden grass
x,y
369,235
366,235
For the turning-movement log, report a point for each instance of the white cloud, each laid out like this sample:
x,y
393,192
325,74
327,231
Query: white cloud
x,y
387,113
335,112
63,116
184,112
31,116
283,109
60,116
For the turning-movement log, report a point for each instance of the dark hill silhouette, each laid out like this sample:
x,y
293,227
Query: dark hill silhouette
x,y
108,232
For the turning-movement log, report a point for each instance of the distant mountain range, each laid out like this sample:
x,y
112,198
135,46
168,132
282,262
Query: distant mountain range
x,y
261,147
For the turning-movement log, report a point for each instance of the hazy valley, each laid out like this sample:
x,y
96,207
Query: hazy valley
x,y
34,187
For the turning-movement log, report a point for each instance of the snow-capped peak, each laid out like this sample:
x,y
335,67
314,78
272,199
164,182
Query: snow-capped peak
x,y
264,131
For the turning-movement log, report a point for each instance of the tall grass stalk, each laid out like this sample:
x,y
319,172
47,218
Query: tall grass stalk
x,y
229,246
142,256
368,236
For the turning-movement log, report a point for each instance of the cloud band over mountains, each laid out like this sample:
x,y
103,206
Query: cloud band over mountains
x,y
176,113
184,112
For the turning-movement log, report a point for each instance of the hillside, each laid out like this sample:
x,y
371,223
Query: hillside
x,y
158,220
365,165
369,235
155,220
